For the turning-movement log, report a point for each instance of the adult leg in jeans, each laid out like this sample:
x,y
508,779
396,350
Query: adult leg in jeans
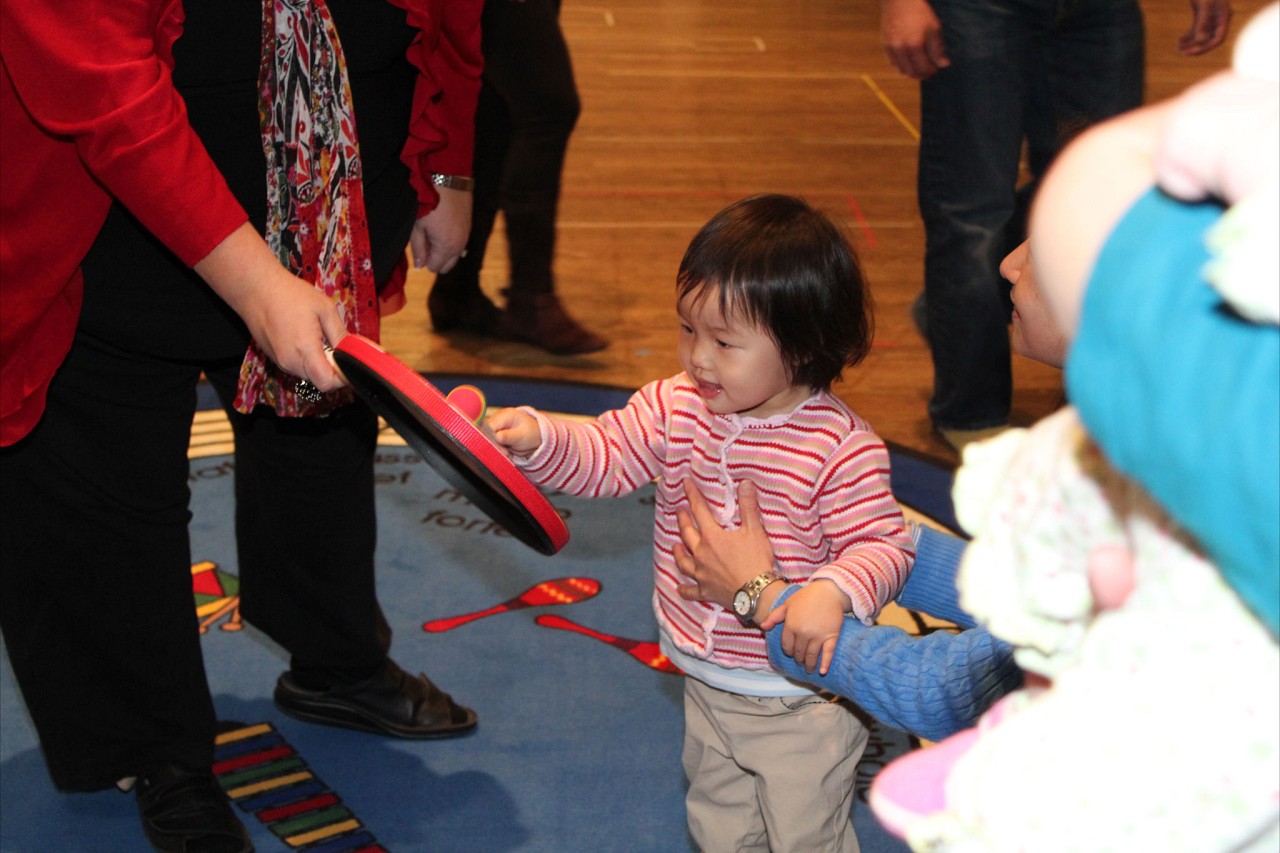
x,y
972,128
1095,70
1096,66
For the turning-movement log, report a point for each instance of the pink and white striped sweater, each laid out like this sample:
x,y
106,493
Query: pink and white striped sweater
x,y
821,474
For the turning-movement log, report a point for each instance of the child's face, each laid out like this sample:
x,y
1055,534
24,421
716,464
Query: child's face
x,y
1035,332
736,366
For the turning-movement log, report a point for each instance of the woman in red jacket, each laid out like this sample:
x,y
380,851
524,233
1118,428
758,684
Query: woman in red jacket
x,y
135,200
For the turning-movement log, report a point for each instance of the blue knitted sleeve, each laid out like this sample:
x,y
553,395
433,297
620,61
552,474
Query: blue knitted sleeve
x,y
931,686
931,586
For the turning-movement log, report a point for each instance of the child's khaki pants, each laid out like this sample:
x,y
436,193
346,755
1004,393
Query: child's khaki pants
x,y
770,774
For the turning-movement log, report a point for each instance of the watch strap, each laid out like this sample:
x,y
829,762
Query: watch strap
x,y
755,587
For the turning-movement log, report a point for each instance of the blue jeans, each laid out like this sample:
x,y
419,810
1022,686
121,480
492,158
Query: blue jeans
x,y
1028,71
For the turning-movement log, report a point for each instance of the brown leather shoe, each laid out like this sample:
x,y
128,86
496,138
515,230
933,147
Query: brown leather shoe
x,y
390,702
540,319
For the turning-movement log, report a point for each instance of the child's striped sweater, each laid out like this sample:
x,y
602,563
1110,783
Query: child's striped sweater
x,y
821,474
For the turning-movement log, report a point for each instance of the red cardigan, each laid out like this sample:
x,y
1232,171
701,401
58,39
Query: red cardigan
x,y
89,113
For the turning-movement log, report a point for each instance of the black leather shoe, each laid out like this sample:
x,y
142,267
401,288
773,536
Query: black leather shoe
x,y
391,702
185,811
461,308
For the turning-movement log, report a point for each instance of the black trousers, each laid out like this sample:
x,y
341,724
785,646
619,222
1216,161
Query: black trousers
x,y
527,110
97,606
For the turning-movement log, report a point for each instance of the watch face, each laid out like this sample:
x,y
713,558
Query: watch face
x,y
741,603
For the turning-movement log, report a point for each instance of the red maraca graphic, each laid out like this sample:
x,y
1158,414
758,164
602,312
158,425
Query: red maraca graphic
x,y
558,591
647,653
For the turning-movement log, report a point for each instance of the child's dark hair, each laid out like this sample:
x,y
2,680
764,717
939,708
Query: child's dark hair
x,y
786,268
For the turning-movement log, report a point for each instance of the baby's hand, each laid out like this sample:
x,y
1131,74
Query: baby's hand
x,y
812,617
514,431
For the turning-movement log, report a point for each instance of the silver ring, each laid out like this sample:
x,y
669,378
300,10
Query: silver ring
x,y
306,391
463,253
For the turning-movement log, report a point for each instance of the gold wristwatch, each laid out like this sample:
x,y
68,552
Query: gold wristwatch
x,y
747,598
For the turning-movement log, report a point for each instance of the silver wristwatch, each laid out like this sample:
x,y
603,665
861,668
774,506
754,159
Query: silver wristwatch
x,y
747,598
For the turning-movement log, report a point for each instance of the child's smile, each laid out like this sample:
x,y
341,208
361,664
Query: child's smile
x,y
735,365
707,390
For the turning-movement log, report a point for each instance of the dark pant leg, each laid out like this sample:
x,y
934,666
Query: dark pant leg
x,y
528,69
493,138
1097,61
97,607
527,108
973,121
306,531
1095,70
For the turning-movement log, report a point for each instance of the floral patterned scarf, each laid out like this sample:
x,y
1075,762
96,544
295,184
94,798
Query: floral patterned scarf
x,y
316,222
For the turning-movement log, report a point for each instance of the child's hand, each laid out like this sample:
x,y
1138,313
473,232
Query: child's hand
x,y
812,618
514,431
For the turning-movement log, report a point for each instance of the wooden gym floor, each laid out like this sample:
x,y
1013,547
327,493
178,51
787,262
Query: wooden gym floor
x,y
691,104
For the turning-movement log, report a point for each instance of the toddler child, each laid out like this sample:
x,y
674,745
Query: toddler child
x,y
772,307
932,686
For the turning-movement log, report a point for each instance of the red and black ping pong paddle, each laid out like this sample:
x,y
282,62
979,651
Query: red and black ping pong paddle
x,y
450,443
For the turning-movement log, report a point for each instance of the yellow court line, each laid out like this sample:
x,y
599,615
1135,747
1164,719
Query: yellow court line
x,y
891,107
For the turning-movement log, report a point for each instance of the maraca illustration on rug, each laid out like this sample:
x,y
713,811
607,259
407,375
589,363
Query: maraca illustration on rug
x,y
562,591
556,591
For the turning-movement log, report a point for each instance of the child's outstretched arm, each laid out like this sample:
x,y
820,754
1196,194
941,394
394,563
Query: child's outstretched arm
x,y
514,431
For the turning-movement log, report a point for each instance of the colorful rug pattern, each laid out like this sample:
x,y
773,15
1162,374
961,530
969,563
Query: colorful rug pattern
x,y
264,775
